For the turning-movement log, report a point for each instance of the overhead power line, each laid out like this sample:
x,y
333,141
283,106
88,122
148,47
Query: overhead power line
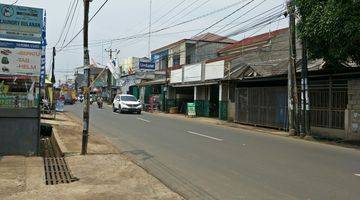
x,y
272,11
185,22
227,16
78,33
68,13
242,15
178,13
71,21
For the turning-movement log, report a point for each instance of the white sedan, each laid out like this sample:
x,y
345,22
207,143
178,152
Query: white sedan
x,y
126,103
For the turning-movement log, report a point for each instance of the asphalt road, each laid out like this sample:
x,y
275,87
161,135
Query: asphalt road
x,y
203,161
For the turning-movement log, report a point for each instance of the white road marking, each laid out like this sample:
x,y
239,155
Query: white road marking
x,y
144,120
357,174
214,138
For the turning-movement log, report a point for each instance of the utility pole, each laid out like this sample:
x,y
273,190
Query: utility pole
x,y
305,103
53,66
110,51
149,41
76,83
292,87
167,88
86,114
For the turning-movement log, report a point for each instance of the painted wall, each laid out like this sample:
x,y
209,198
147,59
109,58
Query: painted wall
x,y
214,70
19,131
192,72
176,76
352,113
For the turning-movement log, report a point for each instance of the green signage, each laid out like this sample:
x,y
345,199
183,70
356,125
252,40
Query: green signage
x,y
191,109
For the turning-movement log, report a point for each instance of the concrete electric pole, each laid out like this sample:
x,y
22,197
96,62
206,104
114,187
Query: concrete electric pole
x,y
149,39
292,86
86,111
305,100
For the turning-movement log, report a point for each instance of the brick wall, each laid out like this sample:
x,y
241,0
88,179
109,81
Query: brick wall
x,y
352,114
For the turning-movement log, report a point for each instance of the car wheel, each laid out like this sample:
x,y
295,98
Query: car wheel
x,y
138,112
114,109
121,111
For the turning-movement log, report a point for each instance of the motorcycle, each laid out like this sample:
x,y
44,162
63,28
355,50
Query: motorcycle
x,y
100,104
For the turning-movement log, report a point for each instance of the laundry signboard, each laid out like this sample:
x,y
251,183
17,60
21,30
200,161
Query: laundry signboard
x,y
21,23
20,58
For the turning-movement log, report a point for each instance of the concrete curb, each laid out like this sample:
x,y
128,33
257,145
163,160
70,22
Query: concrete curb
x,y
60,143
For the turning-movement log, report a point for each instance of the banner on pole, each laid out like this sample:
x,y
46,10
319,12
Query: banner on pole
x,y
112,67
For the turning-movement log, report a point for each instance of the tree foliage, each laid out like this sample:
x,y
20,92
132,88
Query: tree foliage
x,y
331,29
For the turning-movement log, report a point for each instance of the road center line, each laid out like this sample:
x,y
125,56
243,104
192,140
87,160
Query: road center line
x,y
144,120
214,138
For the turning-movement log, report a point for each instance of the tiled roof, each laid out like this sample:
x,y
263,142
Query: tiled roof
x,y
254,39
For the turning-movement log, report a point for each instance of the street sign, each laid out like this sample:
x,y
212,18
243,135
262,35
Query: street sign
x,y
191,109
147,65
20,23
18,58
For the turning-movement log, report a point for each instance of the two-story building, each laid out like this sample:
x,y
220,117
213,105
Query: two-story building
x,y
189,54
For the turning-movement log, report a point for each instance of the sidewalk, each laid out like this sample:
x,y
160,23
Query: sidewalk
x,y
103,174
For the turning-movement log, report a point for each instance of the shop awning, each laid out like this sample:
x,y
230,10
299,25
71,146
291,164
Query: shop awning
x,y
154,82
213,82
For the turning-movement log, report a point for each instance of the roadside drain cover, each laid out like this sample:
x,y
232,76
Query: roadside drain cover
x,y
56,169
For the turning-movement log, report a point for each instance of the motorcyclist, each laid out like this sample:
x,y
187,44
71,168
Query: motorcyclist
x,y
100,101
91,99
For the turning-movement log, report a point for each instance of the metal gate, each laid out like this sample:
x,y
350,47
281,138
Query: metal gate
x,y
328,101
262,106
267,106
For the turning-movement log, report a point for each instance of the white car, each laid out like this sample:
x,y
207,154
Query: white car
x,y
126,103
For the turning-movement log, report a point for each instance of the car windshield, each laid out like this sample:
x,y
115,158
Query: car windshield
x,y
128,98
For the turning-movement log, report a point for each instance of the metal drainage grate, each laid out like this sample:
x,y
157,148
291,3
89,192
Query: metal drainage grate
x,y
56,169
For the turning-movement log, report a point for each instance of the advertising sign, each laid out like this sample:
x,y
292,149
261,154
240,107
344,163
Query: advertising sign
x,y
20,58
191,109
160,59
20,23
147,65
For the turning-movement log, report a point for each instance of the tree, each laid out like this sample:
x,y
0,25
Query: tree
x,y
331,29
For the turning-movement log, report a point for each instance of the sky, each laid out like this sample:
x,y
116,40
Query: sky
x,y
123,18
